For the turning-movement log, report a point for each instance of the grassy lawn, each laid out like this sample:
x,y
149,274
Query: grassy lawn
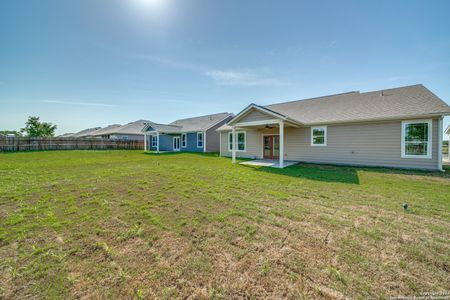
x,y
123,224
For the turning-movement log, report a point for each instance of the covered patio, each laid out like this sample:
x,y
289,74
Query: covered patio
x,y
258,117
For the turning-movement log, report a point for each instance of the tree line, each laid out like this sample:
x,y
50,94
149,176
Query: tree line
x,y
33,128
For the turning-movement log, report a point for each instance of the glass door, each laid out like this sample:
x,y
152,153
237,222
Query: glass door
x,y
271,146
276,146
267,147
176,143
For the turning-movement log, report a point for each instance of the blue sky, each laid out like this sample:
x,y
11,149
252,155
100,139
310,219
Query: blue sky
x,y
88,63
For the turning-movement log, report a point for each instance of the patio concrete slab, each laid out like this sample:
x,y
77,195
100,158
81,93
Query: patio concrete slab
x,y
274,163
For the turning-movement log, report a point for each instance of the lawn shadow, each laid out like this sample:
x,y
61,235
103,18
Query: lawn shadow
x,y
345,174
324,173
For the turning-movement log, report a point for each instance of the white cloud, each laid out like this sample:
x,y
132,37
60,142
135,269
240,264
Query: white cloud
x,y
78,103
245,77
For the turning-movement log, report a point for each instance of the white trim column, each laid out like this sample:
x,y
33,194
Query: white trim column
x,y
234,143
204,141
145,142
281,124
220,143
157,142
440,137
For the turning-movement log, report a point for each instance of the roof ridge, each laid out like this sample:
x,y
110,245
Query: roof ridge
x,y
346,93
316,98
207,115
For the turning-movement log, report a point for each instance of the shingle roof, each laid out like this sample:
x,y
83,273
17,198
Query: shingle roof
x,y
85,132
163,128
132,127
402,102
66,134
200,123
107,130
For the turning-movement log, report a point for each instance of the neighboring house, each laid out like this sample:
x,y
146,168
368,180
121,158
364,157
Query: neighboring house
x,y
196,134
65,135
83,133
399,127
130,131
105,132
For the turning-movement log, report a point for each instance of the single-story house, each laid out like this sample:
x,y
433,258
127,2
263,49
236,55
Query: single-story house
x,y
82,133
196,134
130,131
399,127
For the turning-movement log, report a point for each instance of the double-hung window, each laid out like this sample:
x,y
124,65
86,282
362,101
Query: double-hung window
x,y
199,139
319,136
241,141
416,139
183,140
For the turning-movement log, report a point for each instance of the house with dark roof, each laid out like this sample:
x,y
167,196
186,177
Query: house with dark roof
x,y
399,127
197,134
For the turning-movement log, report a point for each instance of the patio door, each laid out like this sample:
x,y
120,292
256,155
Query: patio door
x,y
176,143
271,146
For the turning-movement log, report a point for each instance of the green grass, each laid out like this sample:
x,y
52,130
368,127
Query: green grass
x,y
123,224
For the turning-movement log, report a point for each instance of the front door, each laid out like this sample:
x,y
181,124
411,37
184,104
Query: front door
x,y
176,143
271,146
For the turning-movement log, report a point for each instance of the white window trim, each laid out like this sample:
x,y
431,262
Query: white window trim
x,y
203,139
173,143
185,140
153,141
245,141
325,136
430,140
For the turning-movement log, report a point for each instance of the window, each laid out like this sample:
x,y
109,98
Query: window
x,y
183,140
416,139
199,139
124,137
154,141
241,141
319,136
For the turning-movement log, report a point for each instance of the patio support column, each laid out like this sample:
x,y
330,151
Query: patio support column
x,y
234,143
440,130
145,142
281,124
157,142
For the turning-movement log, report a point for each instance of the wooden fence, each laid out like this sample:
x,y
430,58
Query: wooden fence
x,y
13,144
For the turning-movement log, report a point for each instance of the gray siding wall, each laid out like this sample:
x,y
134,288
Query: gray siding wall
x,y
191,140
165,142
213,137
255,115
369,144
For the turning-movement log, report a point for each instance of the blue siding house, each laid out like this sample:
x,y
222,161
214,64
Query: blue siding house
x,y
196,134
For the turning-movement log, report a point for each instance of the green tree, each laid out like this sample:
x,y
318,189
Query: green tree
x,y
35,128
